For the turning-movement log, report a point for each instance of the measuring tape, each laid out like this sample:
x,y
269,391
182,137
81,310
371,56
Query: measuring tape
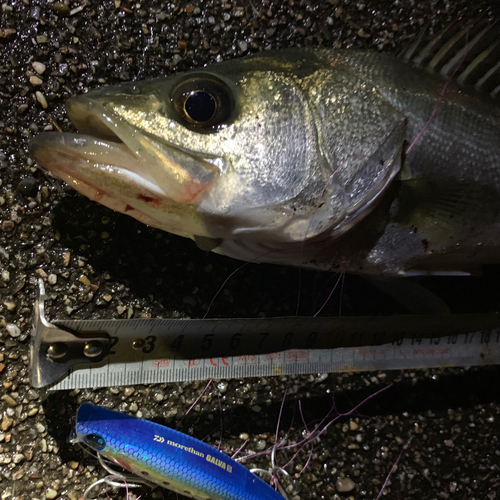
x,y
102,353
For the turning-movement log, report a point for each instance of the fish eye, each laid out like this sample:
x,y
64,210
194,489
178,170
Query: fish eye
x,y
95,441
202,102
200,106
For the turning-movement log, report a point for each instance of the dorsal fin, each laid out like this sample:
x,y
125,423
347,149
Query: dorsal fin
x,y
468,52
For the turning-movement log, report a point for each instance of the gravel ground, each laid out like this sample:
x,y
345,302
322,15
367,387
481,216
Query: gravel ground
x,y
445,423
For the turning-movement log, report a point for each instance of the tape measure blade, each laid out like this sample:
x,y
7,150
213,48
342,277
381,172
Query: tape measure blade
x,y
295,362
218,337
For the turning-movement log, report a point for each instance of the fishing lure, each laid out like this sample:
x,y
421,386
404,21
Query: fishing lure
x,y
167,457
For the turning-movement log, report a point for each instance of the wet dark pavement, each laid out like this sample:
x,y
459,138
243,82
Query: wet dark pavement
x,y
100,264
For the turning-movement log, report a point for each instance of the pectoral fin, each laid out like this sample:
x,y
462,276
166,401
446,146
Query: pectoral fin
x,y
445,210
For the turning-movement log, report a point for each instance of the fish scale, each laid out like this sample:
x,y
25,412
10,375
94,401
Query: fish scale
x,y
168,457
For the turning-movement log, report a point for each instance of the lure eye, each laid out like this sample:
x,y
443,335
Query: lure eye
x,y
95,441
202,102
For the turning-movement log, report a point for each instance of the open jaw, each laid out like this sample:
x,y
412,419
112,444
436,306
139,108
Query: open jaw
x,y
124,168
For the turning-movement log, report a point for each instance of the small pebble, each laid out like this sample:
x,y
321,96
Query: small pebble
x,y
261,445
73,464
41,99
50,494
83,279
222,386
9,400
35,81
243,436
33,395
7,225
345,484
158,397
40,428
39,67
128,391
28,187
61,9
12,329
66,258
6,33
6,423
52,279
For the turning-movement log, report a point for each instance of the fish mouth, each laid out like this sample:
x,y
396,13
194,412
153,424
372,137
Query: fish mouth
x,y
122,167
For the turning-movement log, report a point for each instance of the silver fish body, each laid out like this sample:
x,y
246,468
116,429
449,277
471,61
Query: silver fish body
x,y
298,157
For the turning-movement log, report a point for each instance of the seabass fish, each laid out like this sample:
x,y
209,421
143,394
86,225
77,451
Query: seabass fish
x,y
330,159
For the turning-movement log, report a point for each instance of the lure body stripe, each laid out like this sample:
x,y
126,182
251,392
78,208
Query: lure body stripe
x,y
168,457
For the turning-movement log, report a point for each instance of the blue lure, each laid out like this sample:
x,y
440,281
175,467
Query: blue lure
x,y
167,457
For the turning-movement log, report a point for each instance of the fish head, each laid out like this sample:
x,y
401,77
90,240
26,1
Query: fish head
x,y
262,151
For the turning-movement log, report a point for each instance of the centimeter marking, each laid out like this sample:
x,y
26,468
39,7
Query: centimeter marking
x,y
198,338
466,349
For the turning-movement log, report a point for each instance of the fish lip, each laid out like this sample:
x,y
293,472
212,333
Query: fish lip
x,y
175,173
90,118
181,173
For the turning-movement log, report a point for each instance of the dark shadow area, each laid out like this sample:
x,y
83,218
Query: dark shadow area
x,y
60,411
181,277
